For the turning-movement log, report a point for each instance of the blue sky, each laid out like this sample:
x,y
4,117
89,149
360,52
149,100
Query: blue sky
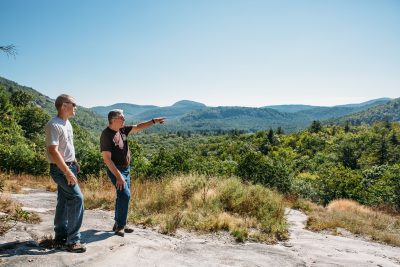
x,y
221,53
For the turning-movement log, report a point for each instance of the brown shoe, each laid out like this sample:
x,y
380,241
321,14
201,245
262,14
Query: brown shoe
x,y
122,230
59,243
76,248
127,229
119,230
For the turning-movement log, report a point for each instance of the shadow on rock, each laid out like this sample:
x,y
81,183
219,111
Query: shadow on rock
x,y
90,236
23,248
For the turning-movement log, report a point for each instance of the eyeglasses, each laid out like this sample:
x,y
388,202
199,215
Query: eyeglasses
x,y
121,118
72,103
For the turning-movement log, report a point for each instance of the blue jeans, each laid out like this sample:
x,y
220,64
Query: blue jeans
x,y
69,209
123,196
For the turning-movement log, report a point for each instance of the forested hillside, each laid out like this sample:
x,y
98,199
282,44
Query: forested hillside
x,y
86,118
240,118
389,111
297,108
291,108
325,113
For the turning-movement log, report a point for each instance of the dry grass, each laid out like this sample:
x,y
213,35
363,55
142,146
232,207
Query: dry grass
x,y
358,219
98,193
192,202
347,205
15,182
6,204
302,204
197,203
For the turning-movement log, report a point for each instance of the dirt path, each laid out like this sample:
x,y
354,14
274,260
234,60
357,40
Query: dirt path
x,y
145,247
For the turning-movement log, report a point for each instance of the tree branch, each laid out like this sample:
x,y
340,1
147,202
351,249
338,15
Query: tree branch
x,y
10,50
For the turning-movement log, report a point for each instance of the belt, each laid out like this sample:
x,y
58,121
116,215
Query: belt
x,y
69,163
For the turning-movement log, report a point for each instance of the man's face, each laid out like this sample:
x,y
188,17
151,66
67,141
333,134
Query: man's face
x,y
119,121
70,107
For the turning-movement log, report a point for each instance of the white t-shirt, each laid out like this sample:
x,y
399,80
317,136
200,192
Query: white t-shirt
x,y
59,132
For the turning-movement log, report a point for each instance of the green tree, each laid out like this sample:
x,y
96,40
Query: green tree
x,y
347,127
336,182
270,136
6,109
315,127
139,163
383,151
348,156
394,140
21,99
161,164
257,168
32,120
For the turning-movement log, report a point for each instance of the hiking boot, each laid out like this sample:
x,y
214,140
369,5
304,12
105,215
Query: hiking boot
x,y
59,243
122,230
127,229
119,231
76,248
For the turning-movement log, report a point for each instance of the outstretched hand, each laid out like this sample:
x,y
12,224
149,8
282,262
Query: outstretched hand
x,y
159,120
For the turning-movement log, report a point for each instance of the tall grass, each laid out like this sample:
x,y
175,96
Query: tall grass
x,y
358,219
98,192
192,202
15,182
198,203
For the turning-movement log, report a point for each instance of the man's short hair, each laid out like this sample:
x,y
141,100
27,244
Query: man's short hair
x,y
115,113
62,99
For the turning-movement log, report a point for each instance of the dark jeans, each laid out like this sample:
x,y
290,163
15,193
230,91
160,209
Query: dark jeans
x,y
69,210
123,196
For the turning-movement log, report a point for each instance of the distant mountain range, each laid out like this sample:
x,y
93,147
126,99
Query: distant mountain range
x,y
194,116
146,112
188,115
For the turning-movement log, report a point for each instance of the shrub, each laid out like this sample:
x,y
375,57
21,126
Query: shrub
x,y
337,181
305,186
20,158
257,168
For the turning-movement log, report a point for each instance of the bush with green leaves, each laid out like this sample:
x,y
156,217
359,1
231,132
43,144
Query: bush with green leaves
x,y
382,185
32,120
21,158
336,181
165,163
255,167
305,185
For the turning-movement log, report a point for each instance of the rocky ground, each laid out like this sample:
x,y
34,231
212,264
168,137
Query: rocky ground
x,y
146,247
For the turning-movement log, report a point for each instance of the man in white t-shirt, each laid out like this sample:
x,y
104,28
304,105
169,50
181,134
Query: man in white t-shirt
x,y
64,169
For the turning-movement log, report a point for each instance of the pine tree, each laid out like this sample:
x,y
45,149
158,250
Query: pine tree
x,y
315,127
